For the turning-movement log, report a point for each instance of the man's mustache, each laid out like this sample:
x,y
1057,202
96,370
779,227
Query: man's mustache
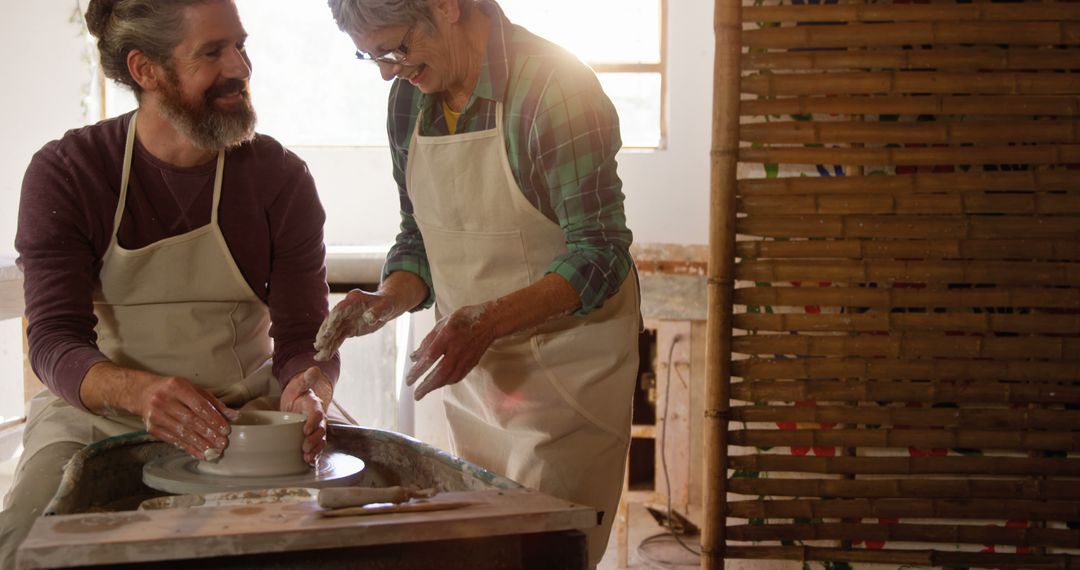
x,y
226,87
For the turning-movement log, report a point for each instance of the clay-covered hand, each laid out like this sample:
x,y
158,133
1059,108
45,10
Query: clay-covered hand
x,y
358,314
185,415
457,342
308,393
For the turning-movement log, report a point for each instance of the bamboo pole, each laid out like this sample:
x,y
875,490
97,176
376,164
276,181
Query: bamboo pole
x,y
881,298
955,534
1052,204
967,488
904,438
960,369
907,508
994,105
986,418
972,466
965,182
1050,250
962,59
935,558
1050,324
900,82
996,154
725,130
917,33
912,132
893,391
1032,12
885,271
870,226
912,346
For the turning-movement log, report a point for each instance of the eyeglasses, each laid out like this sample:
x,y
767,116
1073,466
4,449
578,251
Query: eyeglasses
x,y
395,56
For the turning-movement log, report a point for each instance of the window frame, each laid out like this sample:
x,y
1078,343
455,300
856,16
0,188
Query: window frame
x,y
659,68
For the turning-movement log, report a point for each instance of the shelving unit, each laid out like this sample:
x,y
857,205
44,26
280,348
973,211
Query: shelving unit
x,y
668,348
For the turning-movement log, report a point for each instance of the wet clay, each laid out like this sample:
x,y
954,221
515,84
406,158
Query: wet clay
x,y
265,451
261,444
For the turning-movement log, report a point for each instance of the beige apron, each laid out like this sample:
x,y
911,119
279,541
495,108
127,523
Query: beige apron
x,y
177,307
549,408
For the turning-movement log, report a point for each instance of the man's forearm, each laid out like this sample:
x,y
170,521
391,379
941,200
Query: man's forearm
x,y
171,408
108,389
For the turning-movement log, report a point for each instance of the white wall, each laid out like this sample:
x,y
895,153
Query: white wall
x,y
666,190
44,77
42,57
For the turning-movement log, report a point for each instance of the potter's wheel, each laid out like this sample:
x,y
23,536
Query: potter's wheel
x,y
179,474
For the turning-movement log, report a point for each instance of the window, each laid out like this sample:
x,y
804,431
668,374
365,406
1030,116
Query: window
x,y
623,41
302,61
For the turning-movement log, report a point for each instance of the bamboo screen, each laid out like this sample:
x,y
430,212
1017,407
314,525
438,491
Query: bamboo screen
x,y
905,377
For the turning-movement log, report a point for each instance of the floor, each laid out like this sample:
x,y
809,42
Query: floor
x,y
650,546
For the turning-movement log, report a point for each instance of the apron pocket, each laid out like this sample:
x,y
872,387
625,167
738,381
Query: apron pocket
x,y
592,369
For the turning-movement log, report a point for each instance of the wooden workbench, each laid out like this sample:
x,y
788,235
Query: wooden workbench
x,y
516,528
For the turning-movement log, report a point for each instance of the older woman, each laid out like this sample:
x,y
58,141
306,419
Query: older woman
x,y
513,226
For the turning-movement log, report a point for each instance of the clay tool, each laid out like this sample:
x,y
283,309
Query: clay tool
x,y
387,508
338,497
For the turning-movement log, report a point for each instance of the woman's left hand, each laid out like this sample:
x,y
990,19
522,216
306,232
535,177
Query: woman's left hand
x,y
456,343
308,393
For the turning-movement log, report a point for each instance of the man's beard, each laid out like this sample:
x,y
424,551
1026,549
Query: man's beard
x,y
208,126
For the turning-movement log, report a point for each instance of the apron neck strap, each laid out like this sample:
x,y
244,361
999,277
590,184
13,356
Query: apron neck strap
x,y
498,119
125,177
218,175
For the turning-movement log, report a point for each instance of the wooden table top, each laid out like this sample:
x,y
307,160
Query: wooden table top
x,y
206,532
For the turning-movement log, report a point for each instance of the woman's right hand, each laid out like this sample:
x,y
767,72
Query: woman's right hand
x,y
358,314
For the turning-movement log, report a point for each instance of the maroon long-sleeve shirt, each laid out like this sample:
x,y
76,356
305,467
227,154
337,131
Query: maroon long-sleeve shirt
x,y
269,213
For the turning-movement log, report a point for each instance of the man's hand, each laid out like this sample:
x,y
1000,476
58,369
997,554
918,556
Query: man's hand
x,y
457,343
308,393
187,416
359,313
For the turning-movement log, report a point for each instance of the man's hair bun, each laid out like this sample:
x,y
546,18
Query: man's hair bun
x,y
98,14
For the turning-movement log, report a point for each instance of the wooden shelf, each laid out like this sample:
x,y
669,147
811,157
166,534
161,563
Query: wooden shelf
x,y
643,431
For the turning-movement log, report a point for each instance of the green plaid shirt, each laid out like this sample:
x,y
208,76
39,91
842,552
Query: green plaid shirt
x,y
562,134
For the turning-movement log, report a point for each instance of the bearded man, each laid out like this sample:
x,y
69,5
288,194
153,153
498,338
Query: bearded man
x,y
173,258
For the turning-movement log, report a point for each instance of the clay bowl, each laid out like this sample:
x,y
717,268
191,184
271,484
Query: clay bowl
x,y
262,444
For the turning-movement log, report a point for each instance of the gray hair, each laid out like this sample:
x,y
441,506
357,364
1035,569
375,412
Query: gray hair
x,y
368,15
154,27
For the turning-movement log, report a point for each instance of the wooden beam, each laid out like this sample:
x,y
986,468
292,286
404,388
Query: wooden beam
x,y
721,275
